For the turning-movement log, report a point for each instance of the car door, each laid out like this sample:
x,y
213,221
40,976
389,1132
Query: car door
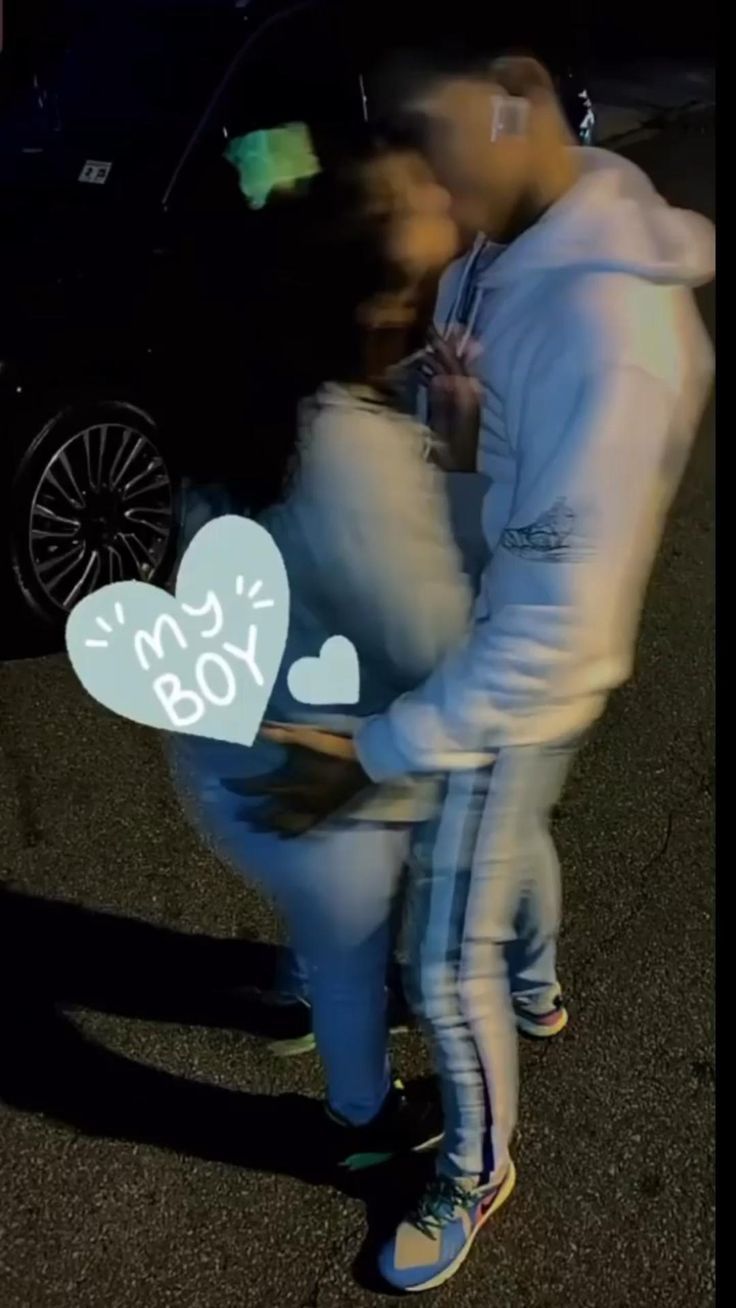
x,y
291,69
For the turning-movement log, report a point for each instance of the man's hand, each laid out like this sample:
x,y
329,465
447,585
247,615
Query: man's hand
x,y
320,776
310,738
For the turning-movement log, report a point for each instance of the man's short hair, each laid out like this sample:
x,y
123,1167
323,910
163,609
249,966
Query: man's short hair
x,y
406,76
521,75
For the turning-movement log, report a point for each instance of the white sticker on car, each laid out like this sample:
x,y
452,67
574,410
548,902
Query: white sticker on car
x,y
95,171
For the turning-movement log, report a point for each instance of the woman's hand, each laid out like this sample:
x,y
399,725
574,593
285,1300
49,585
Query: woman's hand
x,y
321,775
454,397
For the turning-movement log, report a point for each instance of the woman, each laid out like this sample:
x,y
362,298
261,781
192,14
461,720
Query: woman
x,y
364,531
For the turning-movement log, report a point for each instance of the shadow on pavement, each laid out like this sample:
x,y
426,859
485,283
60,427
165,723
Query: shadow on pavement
x,y
54,951
55,954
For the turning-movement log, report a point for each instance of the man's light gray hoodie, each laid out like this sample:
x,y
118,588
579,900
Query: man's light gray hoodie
x,y
595,368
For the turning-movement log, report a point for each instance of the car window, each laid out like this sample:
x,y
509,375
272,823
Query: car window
x,y
125,97
293,70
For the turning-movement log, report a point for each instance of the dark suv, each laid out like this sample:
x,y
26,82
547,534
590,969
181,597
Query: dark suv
x,y
134,347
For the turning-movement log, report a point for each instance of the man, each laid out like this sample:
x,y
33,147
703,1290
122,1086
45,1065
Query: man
x,y
594,368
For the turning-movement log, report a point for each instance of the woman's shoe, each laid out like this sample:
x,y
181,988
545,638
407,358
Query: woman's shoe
x,y
292,1019
410,1122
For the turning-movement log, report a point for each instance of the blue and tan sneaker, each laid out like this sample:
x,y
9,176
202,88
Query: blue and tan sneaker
x,y
433,1241
540,1026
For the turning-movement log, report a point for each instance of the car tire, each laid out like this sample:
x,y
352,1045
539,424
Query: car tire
x,y
94,499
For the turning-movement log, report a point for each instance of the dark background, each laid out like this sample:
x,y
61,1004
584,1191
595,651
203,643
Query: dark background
x,y
618,27
584,32
148,1163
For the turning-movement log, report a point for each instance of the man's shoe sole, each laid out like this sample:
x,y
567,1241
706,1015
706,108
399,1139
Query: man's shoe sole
x,y
536,1031
505,1191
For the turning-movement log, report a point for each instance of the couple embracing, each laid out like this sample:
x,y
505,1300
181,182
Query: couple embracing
x,y
566,361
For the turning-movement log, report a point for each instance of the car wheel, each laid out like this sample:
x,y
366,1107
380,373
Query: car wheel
x,y
94,500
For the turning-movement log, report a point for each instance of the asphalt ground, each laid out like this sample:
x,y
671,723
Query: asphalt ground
x,y
150,1162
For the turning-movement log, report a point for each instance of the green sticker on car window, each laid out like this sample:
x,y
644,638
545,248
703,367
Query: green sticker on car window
x,y
276,158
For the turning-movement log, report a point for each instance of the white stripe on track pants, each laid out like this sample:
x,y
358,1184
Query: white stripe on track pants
x,y
482,921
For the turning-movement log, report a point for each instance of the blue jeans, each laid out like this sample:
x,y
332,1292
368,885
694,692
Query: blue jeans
x,y
336,889
483,917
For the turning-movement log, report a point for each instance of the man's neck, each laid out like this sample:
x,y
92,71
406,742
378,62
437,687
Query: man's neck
x,y
558,178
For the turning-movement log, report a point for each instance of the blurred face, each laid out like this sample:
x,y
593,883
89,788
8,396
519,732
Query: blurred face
x,y
486,178
421,235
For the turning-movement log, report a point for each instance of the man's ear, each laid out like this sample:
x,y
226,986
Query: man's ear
x,y
509,116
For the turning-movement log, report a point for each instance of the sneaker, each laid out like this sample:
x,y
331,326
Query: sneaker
x,y
293,1034
410,1122
289,1026
540,1026
433,1242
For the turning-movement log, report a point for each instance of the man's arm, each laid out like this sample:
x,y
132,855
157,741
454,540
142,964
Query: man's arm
x,y
565,580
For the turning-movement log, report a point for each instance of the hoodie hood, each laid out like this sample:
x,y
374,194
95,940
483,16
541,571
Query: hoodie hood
x,y
612,220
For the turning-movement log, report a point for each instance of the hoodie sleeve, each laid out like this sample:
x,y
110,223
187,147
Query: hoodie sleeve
x,y
594,480
385,544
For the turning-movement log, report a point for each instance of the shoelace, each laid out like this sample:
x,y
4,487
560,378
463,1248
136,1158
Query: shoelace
x,y
439,1203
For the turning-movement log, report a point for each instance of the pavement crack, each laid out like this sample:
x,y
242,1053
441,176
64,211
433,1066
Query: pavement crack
x,y
660,853
652,861
702,785
333,1251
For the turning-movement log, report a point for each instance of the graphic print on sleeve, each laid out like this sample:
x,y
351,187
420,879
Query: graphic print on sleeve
x,y
547,538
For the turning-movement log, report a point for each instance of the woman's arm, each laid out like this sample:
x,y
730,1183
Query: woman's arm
x,y
391,564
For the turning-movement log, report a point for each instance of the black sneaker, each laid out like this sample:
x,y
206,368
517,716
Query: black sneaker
x,y
292,1025
289,1026
410,1122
